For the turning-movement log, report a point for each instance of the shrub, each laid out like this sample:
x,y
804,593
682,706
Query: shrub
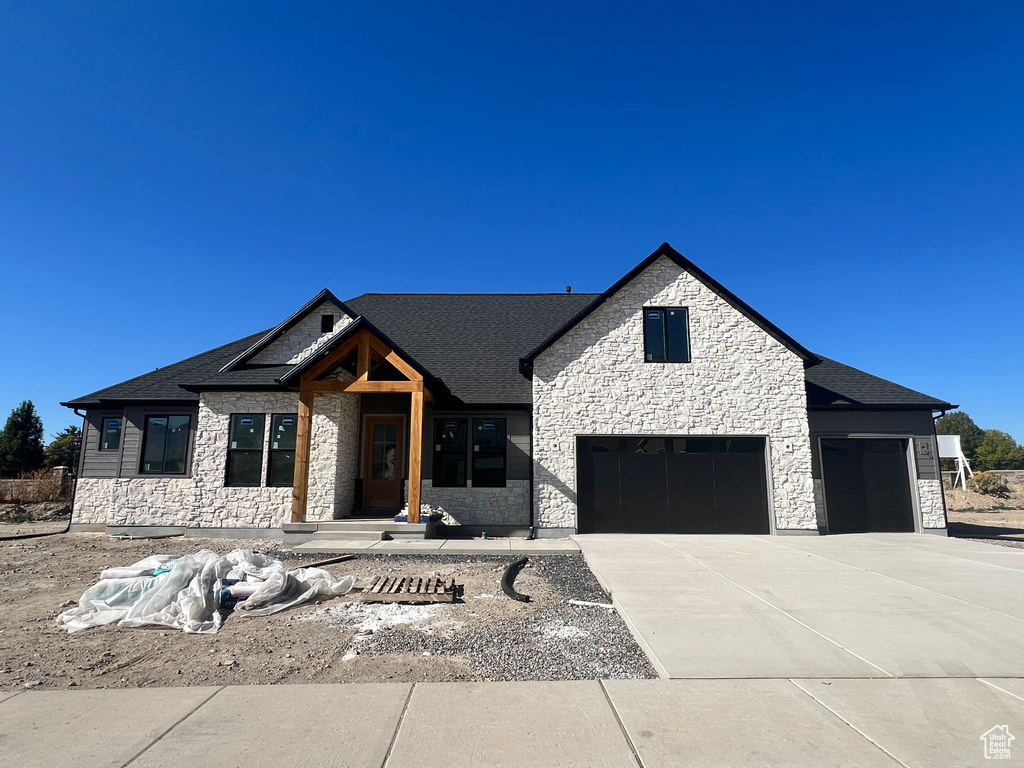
x,y
989,484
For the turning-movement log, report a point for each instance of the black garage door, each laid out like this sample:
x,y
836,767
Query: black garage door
x,y
867,485
671,485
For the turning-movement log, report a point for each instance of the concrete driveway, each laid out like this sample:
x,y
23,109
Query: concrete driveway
x,y
866,606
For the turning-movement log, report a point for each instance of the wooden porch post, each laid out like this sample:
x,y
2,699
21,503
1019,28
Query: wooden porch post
x,y
303,438
415,454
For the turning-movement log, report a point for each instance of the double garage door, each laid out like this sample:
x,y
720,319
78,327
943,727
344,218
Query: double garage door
x,y
672,485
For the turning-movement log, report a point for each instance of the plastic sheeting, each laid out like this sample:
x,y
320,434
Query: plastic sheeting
x,y
184,592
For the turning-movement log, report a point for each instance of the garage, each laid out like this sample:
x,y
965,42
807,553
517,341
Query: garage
x,y
672,484
867,485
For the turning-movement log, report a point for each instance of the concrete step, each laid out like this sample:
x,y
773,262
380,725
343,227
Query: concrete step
x,y
385,526
351,535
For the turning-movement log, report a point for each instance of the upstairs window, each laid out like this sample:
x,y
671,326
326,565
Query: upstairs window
x,y
281,464
488,453
110,433
245,449
450,448
666,335
165,445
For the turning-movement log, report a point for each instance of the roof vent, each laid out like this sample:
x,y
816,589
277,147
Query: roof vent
x,y
568,289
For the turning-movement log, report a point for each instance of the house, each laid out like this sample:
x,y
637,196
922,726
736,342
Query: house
x,y
664,404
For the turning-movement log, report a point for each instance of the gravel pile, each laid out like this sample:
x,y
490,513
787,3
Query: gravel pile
x,y
546,639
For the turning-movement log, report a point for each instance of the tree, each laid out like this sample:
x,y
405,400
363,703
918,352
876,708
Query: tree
x,y
21,442
63,451
998,450
959,423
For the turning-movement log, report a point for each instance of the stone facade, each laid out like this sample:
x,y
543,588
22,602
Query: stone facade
x,y
933,503
304,338
482,506
151,501
92,500
741,381
217,506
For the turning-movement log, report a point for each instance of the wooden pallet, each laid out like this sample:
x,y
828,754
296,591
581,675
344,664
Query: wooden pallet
x,y
409,589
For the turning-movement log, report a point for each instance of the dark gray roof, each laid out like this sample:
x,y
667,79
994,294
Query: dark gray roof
x,y
832,385
472,341
163,383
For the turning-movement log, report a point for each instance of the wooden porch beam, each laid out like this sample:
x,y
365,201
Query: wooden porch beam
x,y
415,454
395,359
363,358
303,438
333,359
323,387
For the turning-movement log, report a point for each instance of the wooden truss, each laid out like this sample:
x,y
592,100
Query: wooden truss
x,y
367,348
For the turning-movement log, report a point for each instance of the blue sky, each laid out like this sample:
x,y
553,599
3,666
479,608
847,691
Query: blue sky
x,y
176,176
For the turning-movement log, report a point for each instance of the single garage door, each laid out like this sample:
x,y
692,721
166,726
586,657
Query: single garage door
x,y
671,485
867,485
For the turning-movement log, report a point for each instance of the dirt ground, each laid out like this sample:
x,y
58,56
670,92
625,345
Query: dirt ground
x,y
972,514
334,640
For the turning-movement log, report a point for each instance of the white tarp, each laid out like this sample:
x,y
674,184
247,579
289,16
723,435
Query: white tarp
x,y
184,592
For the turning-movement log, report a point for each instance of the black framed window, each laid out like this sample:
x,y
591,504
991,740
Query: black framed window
x,y
165,445
110,433
666,335
326,323
245,449
450,449
281,464
488,453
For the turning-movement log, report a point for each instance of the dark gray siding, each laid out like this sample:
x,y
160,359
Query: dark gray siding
x,y
97,463
131,439
917,424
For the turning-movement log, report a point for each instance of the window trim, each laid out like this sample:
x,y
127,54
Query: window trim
x,y
230,451
665,335
465,452
187,459
271,451
103,431
504,451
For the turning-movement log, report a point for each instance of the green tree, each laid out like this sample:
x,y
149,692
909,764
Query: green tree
x,y
21,442
998,450
63,451
959,423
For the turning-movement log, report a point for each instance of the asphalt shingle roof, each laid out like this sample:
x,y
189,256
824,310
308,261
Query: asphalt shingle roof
x,y
473,343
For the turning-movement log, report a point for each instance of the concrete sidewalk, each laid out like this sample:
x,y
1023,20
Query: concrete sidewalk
x,y
933,723
443,546
876,605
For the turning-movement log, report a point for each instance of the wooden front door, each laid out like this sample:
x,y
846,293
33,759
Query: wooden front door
x,y
383,462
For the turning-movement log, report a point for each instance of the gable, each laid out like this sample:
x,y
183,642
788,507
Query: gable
x,y
667,252
303,338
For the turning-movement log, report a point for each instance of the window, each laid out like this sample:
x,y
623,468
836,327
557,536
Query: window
x,y
666,335
281,467
245,449
110,433
165,445
326,323
488,453
450,453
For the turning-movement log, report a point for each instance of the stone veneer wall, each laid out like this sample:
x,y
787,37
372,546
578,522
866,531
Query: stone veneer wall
x,y
151,501
92,500
481,506
933,503
594,381
332,460
215,505
304,338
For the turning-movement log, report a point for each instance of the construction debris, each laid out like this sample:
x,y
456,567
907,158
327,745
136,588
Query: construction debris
x,y
409,589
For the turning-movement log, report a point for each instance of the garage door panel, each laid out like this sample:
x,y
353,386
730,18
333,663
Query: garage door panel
x,y
672,485
643,492
867,485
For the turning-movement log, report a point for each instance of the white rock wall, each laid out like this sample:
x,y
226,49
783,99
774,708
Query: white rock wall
x,y
304,338
93,496
933,503
214,505
482,506
594,381
332,462
150,501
